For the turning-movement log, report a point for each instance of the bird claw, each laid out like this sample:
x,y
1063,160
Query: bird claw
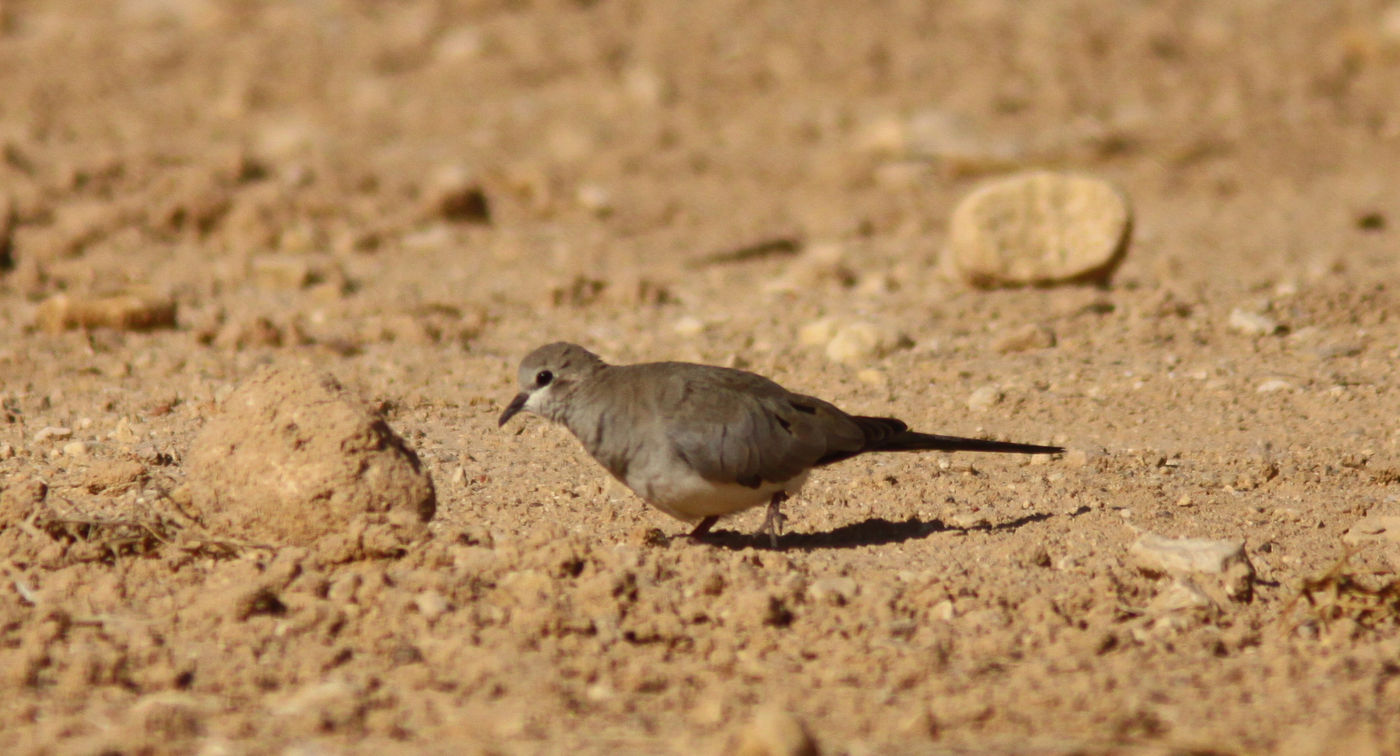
x,y
773,522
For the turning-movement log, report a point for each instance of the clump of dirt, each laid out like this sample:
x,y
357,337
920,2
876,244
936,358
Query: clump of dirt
x,y
294,458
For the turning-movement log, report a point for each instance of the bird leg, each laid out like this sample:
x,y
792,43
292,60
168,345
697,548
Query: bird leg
x,y
773,523
703,527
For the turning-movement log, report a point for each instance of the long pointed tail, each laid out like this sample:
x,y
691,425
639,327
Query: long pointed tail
x,y
915,441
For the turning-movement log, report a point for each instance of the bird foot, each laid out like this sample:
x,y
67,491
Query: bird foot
x,y
773,522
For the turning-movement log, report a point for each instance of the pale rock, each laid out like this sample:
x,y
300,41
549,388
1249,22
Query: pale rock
x,y
774,732
595,199
1252,323
859,342
1027,337
688,326
1039,229
431,604
817,332
968,520
1180,556
984,398
52,431
834,590
1272,385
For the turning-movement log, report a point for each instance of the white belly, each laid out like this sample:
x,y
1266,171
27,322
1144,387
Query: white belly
x,y
689,497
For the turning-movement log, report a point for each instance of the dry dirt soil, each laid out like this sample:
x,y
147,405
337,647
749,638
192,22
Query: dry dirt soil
x,y
411,195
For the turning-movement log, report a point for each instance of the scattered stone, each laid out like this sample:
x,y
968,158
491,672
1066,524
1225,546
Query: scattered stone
x,y
1157,554
7,451
968,520
817,332
126,312
1252,323
431,604
595,199
1374,528
984,398
52,431
833,590
860,342
1040,229
774,732
1027,337
75,449
294,458
282,271
1272,385
689,326
454,194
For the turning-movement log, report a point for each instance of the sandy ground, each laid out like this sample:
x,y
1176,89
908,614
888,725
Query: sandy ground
x,y
412,195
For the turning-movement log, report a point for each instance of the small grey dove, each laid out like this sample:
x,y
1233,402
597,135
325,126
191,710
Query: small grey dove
x,y
699,442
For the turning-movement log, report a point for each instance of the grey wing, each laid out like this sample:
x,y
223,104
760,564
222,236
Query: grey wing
x,y
737,427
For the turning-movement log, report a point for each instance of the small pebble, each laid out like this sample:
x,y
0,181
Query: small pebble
x,y
984,398
126,312
689,326
1272,385
430,604
774,732
52,431
1252,323
858,342
75,449
817,332
1027,337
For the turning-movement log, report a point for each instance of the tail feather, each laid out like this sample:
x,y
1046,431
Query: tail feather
x,y
914,441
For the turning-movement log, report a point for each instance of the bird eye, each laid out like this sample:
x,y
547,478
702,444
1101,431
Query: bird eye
x,y
543,378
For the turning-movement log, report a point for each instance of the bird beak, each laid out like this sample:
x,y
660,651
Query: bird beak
x,y
512,409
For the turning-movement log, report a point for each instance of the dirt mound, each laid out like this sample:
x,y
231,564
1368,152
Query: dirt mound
x,y
293,458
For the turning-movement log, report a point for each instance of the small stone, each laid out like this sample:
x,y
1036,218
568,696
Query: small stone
x,y
1252,323
944,610
1374,528
52,431
968,520
1157,554
1272,385
984,398
6,451
75,449
126,312
430,604
774,732
873,377
595,199
282,271
453,194
1023,339
689,326
860,342
817,332
1040,229
834,590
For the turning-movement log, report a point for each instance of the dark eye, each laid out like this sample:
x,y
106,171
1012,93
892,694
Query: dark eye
x,y
543,378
